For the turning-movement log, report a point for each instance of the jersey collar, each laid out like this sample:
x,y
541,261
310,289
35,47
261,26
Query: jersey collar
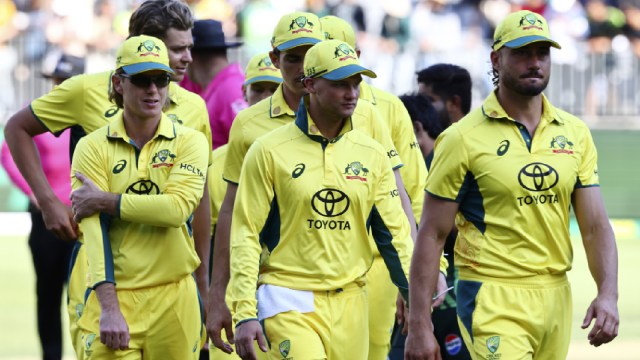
x,y
116,129
308,127
366,93
174,95
491,108
278,106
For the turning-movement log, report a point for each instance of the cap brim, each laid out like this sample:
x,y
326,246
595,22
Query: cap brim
x,y
145,66
226,45
256,79
347,71
525,40
297,42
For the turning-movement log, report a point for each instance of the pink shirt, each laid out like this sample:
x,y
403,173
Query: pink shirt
x,y
224,100
54,155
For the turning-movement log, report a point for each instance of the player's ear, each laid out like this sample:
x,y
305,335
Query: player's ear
x,y
275,59
116,82
309,84
245,88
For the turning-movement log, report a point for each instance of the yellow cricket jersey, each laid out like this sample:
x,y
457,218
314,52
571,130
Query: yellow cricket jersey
x,y
514,190
166,178
82,104
414,171
273,112
310,203
217,185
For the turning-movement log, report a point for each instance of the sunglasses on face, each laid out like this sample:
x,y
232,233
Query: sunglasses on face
x,y
144,81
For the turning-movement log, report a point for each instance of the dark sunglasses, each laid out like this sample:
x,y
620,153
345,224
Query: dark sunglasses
x,y
144,81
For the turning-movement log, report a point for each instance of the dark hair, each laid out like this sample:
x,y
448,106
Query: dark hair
x,y
421,110
155,17
447,80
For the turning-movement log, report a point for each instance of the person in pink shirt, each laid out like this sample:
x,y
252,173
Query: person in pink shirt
x,y
214,78
51,255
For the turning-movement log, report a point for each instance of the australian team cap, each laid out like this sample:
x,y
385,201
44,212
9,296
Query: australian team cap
x,y
297,29
335,28
142,53
333,60
521,28
261,69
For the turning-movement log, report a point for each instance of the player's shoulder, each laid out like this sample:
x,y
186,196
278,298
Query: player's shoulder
x,y
569,119
261,109
361,140
184,97
285,134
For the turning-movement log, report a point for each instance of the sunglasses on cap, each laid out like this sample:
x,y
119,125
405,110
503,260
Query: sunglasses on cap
x,y
144,81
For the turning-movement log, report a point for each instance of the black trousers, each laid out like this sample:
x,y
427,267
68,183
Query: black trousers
x,y
51,257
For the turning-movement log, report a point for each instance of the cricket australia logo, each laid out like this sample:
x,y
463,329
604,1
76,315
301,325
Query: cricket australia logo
x,y
285,348
493,343
302,23
344,49
161,157
533,22
174,119
87,344
266,64
561,144
354,170
149,46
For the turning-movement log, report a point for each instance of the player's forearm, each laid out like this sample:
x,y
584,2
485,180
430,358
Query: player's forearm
x,y
106,294
406,204
221,245
19,133
424,274
202,240
602,256
220,264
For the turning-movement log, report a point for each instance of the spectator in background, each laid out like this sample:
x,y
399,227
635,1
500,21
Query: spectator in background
x,y
50,254
214,78
631,9
437,31
605,22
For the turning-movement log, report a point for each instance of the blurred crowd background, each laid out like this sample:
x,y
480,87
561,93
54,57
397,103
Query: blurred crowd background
x,y
596,75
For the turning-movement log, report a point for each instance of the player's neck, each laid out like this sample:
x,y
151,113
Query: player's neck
x,y
139,129
524,109
328,126
292,98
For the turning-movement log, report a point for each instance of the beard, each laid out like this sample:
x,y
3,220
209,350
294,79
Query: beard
x,y
525,89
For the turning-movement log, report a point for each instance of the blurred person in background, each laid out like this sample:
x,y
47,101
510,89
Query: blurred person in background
x,y
214,78
631,9
50,254
605,23
507,174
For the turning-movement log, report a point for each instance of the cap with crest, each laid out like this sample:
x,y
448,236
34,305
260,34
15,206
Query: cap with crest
x,y
333,60
335,28
296,29
521,28
260,68
142,53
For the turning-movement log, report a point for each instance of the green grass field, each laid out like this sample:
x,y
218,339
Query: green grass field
x,y
18,339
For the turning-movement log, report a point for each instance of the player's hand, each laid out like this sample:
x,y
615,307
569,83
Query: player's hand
x,y
441,291
604,310
114,331
245,334
58,218
219,318
421,344
402,314
83,199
